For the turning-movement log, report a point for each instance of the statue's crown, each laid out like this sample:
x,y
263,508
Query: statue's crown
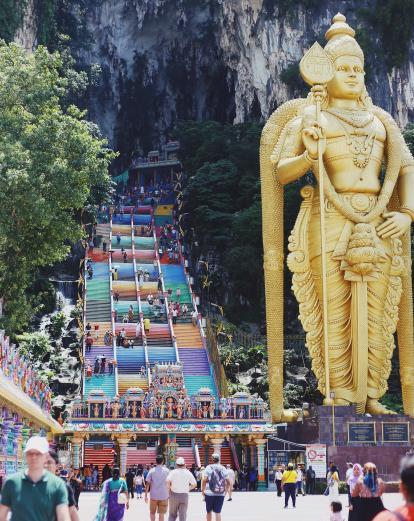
x,y
341,41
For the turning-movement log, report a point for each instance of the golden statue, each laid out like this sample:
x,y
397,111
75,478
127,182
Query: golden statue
x,y
350,249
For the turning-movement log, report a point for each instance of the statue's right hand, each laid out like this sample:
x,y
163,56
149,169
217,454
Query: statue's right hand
x,y
311,135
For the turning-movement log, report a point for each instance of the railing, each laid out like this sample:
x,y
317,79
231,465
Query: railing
x,y
170,324
112,306
138,295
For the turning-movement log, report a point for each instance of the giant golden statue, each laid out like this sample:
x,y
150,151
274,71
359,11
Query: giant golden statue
x,y
349,250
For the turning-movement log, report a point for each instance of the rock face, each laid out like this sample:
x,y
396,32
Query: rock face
x,y
164,60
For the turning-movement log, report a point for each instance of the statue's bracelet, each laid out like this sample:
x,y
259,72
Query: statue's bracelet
x,y
309,159
409,211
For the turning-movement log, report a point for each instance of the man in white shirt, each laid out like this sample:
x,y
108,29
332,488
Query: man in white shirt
x,y
179,481
278,481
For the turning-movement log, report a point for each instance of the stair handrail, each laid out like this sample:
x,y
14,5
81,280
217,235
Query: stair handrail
x,y
234,453
196,452
84,321
169,319
138,295
112,307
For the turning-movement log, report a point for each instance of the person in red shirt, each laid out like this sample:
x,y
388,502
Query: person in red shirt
x,y
406,511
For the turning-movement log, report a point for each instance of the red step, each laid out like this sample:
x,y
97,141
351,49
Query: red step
x,y
140,457
188,454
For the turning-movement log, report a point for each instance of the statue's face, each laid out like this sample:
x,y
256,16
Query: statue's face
x,y
348,81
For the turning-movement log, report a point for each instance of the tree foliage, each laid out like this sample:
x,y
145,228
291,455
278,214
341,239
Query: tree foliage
x,y
52,164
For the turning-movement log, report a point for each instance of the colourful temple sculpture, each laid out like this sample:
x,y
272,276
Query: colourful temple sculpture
x,y
25,403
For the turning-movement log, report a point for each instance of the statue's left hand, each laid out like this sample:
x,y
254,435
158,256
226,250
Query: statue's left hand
x,y
395,224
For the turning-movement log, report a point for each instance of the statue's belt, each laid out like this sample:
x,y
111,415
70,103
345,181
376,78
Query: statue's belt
x,y
362,203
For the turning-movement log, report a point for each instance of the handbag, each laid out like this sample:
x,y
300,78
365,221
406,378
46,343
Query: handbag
x,y
326,493
122,497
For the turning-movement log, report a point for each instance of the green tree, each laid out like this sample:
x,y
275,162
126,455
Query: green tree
x,y
52,164
34,346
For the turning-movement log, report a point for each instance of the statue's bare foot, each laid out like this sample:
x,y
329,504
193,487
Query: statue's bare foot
x,y
374,407
290,415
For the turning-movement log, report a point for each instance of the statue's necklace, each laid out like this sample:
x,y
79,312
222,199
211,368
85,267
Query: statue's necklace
x,y
354,118
360,143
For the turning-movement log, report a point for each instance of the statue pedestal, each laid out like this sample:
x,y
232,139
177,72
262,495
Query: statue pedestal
x,y
350,437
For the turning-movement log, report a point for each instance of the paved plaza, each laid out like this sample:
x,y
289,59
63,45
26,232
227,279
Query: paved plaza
x,y
246,506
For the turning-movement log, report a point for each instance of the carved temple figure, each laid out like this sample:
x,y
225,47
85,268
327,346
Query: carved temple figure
x,y
366,231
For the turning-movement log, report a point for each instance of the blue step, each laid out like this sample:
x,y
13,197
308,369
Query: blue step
x,y
130,360
142,219
105,382
194,383
173,273
195,361
161,354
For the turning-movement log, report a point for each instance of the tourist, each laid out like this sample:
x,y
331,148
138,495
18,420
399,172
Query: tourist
x,y
96,366
35,494
114,499
289,485
106,472
159,283
194,318
118,238
348,475
336,511
88,343
104,245
89,371
404,512
131,314
111,366
147,326
122,335
299,480
351,483
103,365
179,481
174,315
185,310
278,481
88,327
75,481
178,294
129,478
310,480
243,479
115,274
156,484
252,479
116,296
332,480
369,490
214,487
232,478
96,328
125,256
90,272
139,482
51,464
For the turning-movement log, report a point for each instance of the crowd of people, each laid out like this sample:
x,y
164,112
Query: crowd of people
x,y
48,490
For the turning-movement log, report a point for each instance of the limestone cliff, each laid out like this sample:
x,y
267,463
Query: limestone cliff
x,y
164,60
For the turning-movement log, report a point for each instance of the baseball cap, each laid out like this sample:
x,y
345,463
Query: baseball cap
x,y
216,456
38,443
180,461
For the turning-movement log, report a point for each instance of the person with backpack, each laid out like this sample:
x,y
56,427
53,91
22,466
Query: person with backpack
x,y
214,487
404,512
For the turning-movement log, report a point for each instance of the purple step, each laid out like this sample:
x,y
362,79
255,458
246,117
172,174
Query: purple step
x,y
195,361
98,351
